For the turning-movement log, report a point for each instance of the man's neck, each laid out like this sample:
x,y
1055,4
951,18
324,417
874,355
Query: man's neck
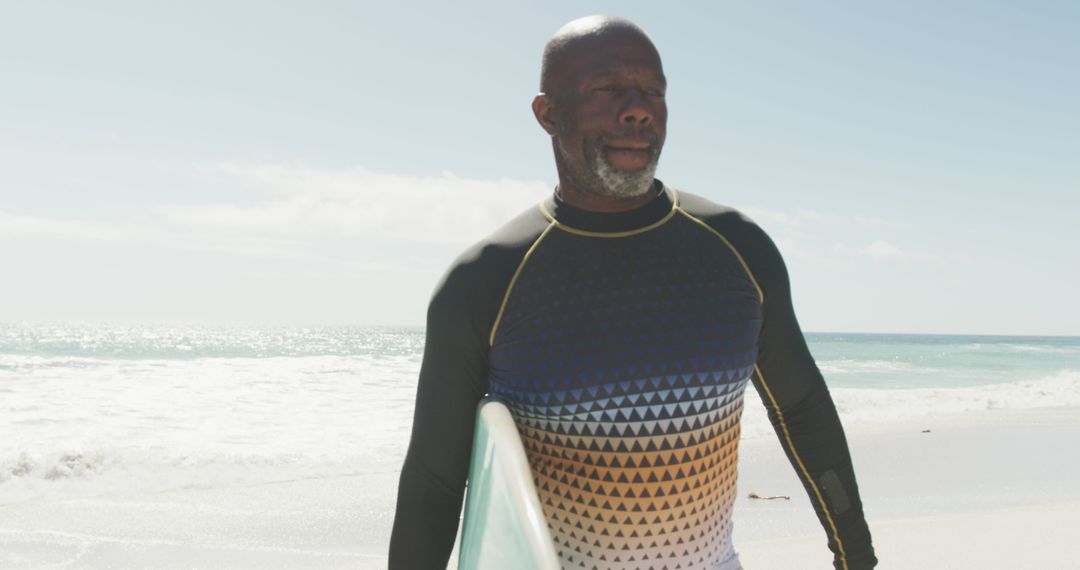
x,y
596,202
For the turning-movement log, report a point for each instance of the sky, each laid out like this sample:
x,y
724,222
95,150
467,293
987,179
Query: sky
x,y
918,163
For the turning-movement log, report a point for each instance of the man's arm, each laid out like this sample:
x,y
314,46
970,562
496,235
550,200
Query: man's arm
x,y
453,379
452,382
798,403
803,414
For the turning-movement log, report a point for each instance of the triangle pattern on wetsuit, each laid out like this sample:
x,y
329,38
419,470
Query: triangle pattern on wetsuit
x,y
624,362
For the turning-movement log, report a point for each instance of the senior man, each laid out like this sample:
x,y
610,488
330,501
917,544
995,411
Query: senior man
x,y
620,321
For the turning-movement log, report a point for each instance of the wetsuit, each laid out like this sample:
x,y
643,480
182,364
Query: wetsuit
x,y
622,344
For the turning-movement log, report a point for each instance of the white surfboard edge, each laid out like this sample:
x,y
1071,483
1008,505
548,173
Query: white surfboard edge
x,y
504,523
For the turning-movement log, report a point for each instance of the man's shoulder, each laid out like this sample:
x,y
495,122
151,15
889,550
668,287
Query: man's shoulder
x,y
726,220
748,238
491,262
510,240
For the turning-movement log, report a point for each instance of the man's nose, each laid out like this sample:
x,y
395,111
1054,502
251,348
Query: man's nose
x,y
636,110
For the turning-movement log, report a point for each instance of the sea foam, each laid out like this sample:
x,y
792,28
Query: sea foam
x,y
869,407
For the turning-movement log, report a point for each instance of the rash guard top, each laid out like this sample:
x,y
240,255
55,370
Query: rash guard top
x,y
622,344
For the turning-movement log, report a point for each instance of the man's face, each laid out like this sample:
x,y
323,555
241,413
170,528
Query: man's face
x,y
610,115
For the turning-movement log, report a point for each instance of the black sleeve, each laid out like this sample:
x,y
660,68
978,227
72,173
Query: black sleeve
x,y
453,379
798,402
802,411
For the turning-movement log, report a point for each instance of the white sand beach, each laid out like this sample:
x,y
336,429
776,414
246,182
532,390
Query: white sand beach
x,y
986,490
1021,537
993,489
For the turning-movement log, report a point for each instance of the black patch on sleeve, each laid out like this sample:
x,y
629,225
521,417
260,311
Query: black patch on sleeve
x,y
838,500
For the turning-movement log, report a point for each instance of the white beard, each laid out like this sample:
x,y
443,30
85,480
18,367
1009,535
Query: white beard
x,y
623,183
600,177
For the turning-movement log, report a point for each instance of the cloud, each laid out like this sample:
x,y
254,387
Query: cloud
x,y
36,226
296,211
884,250
356,202
787,219
872,222
815,237
880,249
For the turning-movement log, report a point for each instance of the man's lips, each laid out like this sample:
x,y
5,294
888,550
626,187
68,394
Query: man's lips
x,y
629,155
630,150
630,146
638,144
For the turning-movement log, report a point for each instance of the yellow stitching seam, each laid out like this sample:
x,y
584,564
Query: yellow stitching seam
x,y
772,399
750,274
584,233
654,225
513,280
543,210
802,467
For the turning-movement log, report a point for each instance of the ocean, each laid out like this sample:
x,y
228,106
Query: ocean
x,y
92,409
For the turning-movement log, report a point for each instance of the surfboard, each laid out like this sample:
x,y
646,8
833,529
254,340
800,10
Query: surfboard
x,y
504,525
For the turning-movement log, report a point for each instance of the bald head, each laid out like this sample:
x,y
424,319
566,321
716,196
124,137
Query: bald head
x,y
581,34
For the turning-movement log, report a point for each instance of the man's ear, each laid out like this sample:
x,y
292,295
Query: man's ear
x,y
544,111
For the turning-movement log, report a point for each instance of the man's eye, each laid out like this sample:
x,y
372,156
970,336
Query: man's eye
x,y
655,92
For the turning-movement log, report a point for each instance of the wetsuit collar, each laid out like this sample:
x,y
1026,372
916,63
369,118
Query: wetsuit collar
x,y
610,222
